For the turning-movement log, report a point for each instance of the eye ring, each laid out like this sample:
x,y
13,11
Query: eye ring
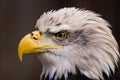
x,y
60,35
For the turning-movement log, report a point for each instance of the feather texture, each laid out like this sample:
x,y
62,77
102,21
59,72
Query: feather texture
x,y
89,46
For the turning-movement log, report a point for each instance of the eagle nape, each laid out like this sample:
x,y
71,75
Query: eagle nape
x,y
72,44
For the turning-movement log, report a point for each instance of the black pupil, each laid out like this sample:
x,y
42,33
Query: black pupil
x,y
60,34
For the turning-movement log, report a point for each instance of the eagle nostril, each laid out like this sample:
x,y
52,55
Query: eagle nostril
x,y
35,38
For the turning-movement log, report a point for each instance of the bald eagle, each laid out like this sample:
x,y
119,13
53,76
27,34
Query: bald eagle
x,y
72,44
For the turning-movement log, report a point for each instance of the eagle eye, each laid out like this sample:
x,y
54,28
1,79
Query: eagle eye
x,y
60,35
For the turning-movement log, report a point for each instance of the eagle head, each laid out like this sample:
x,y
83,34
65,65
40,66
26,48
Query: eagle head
x,y
72,39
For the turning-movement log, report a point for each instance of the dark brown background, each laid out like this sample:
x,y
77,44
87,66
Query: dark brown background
x,y
18,17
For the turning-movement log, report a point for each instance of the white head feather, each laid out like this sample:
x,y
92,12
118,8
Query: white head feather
x,y
90,46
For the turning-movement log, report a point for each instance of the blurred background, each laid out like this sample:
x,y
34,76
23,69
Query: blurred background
x,y
18,17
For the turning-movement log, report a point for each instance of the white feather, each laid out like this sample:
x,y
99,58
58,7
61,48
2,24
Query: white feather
x,y
100,54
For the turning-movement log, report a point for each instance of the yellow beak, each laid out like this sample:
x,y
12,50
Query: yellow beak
x,y
34,42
